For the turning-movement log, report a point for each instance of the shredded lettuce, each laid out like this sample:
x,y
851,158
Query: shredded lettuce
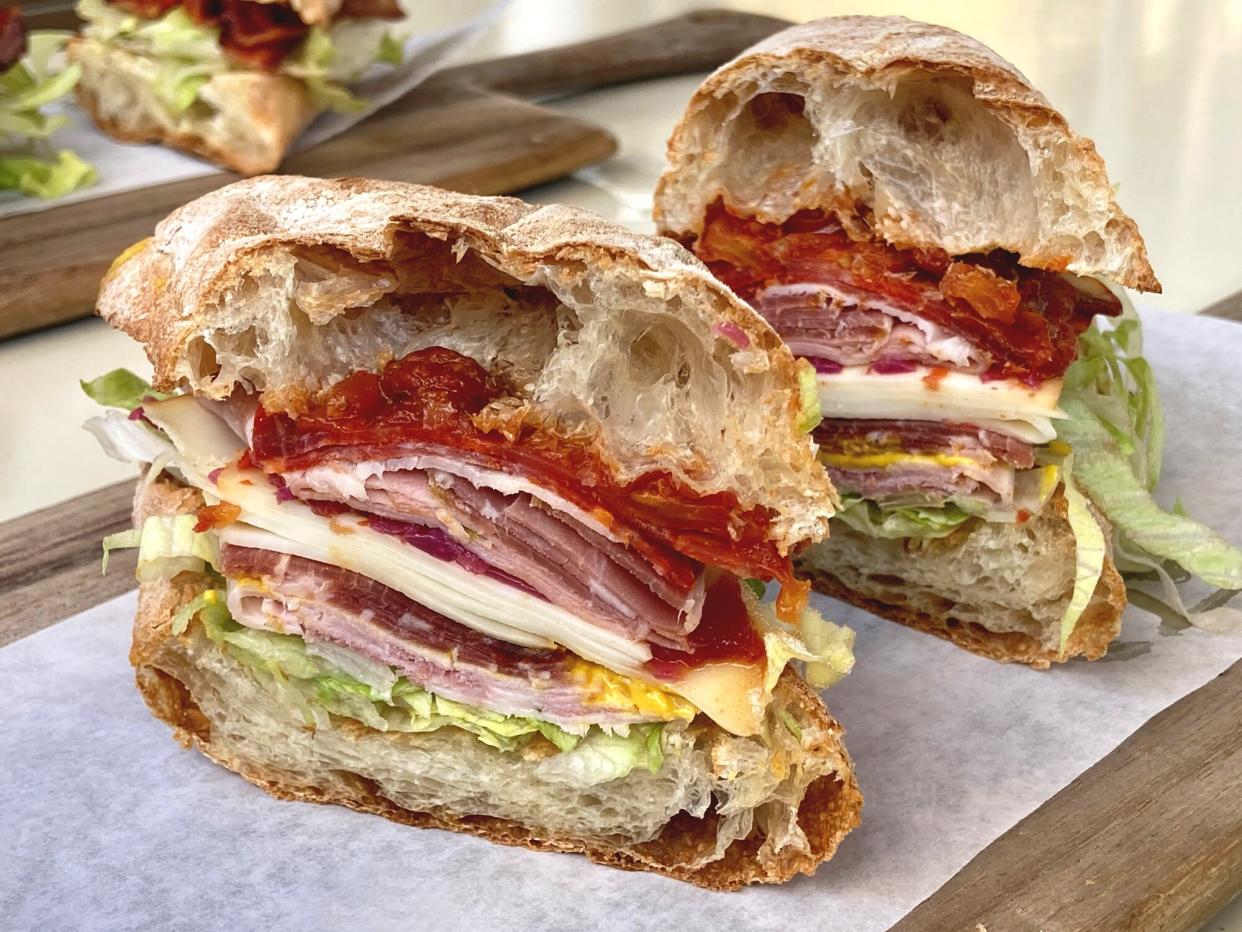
x,y
391,51
790,723
756,586
1103,468
170,545
167,545
45,178
121,540
1116,431
335,680
120,388
809,411
602,756
907,521
209,606
30,85
27,165
826,650
189,53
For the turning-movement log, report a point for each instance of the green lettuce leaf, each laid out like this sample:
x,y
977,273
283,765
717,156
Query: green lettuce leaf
x,y
1110,477
602,756
921,522
121,540
28,166
1116,431
31,84
756,586
208,606
167,545
120,388
45,178
825,649
176,36
391,51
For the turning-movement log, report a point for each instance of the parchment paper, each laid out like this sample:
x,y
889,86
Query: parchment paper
x,y
438,31
108,824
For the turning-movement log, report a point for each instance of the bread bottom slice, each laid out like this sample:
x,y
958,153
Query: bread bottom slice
x,y
999,590
722,811
242,120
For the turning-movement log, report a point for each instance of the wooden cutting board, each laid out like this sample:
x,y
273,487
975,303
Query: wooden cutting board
x,y
470,128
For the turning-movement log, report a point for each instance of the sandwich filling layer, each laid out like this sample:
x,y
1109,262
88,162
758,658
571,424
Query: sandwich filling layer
x,y
939,376
396,520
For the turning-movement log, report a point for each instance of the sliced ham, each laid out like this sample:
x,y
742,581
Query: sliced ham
x,y
853,327
927,485
975,463
552,552
326,604
910,436
567,564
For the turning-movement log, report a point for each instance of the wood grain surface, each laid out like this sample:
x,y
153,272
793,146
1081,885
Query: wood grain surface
x,y
463,130
1150,838
50,561
1227,308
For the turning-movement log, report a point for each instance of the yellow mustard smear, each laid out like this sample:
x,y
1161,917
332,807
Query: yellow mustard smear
x,y
884,460
617,691
1059,448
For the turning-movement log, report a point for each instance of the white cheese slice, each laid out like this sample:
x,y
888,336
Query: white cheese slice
x,y
1004,405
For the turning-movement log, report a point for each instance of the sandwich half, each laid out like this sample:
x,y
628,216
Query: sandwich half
x,y
461,511
232,81
920,224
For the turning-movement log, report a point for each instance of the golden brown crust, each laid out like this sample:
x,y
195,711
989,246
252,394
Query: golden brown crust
x,y
274,108
876,52
205,247
829,811
1096,629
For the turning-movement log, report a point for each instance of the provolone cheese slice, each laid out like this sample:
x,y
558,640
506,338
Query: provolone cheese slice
x,y
1003,405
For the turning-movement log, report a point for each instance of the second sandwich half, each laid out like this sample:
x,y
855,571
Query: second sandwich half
x,y
461,511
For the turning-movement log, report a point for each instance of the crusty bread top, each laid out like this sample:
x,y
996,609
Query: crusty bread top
x,y
944,140
632,343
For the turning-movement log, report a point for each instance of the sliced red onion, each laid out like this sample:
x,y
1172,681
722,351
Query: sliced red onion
x,y
892,366
731,332
437,543
825,366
